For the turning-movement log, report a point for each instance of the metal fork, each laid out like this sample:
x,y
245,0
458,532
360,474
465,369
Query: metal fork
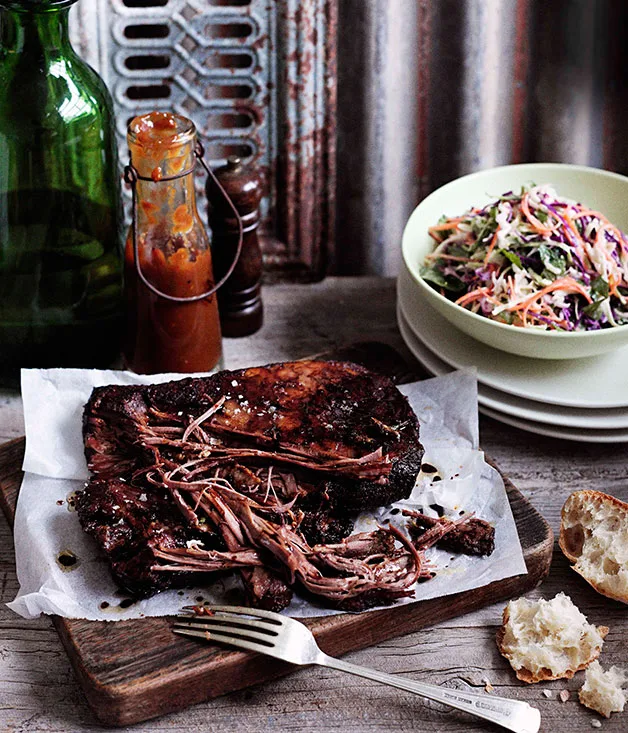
x,y
288,639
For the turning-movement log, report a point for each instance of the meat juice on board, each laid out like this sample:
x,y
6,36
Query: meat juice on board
x,y
174,255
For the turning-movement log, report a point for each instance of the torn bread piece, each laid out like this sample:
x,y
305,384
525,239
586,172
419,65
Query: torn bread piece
x,y
602,691
594,536
548,640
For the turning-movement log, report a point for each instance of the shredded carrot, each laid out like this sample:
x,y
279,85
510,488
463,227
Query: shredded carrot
x,y
590,212
621,237
491,246
473,295
536,224
563,283
445,225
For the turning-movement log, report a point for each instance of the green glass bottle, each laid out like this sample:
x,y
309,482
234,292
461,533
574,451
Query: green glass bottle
x,y
60,208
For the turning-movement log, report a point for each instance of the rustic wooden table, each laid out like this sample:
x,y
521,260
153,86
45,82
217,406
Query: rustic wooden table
x,y
38,691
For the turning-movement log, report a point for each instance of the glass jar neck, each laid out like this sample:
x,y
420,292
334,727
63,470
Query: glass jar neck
x,y
162,148
167,207
158,201
158,163
23,29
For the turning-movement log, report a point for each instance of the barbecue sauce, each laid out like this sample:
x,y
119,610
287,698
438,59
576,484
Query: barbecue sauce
x,y
174,255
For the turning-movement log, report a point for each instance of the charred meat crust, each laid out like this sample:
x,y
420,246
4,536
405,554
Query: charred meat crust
x,y
322,408
338,438
469,536
322,527
360,495
127,522
265,590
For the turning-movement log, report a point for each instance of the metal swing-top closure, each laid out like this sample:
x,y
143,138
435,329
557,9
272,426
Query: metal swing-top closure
x,y
131,176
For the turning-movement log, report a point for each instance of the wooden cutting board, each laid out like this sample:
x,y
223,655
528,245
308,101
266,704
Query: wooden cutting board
x,y
136,670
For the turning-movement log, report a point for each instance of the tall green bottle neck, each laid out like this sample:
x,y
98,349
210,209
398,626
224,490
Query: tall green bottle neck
x,y
25,30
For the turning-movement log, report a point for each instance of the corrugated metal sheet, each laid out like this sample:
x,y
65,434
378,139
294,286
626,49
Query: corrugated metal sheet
x,y
377,130
446,87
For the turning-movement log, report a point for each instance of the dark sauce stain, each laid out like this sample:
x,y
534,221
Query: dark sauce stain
x,y
461,512
428,468
233,595
59,502
395,511
436,478
438,509
104,605
67,561
199,599
126,602
179,592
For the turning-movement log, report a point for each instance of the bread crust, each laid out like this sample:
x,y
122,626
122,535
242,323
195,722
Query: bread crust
x,y
544,675
597,498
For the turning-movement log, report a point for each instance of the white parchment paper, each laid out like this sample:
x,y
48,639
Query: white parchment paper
x,y
46,526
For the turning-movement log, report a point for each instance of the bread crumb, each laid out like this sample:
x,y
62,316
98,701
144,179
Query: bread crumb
x,y
602,691
548,640
596,724
564,695
593,536
547,693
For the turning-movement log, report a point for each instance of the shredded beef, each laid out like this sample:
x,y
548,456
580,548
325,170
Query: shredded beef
x,y
467,535
256,471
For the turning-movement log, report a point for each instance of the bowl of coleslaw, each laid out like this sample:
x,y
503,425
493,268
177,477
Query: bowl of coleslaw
x,y
531,259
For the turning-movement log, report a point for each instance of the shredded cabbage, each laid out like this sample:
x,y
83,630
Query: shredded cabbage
x,y
533,259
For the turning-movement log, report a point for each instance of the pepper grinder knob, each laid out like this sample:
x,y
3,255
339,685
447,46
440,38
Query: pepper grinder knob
x,y
240,299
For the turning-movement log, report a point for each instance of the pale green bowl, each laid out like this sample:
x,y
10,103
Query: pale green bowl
x,y
606,192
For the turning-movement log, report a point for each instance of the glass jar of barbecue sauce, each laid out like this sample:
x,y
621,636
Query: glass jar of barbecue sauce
x,y
168,261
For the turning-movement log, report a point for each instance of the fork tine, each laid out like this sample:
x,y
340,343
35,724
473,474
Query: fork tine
x,y
231,618
213,629
188,632
251,646
244,611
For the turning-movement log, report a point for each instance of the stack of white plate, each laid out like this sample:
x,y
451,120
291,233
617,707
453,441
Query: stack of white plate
x,y
579,399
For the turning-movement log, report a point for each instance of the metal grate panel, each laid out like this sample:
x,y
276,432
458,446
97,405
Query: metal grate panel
x,y
257,78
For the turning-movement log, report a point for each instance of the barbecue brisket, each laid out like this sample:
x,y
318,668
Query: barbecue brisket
x,y
256,470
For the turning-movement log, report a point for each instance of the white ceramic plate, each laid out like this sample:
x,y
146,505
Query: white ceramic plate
x,y
595,382
604,419
555,431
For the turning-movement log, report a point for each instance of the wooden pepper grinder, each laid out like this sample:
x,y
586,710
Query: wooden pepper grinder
x,y
240,299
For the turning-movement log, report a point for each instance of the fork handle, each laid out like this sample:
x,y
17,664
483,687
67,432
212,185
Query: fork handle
x,y
514,715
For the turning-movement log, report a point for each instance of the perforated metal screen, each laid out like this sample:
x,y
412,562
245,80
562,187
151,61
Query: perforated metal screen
x,y
258,79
